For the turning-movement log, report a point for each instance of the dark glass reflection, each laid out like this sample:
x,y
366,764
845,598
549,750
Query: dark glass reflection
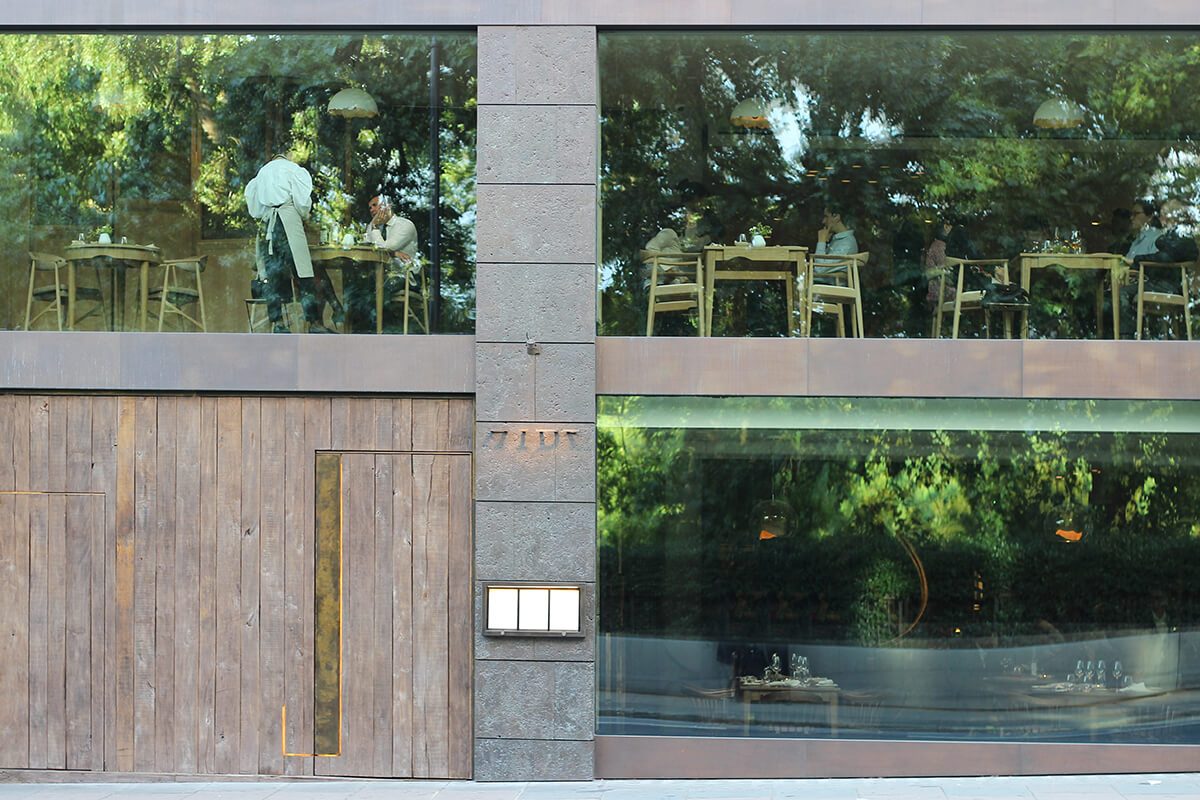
x,y
150,140
950,579
992,143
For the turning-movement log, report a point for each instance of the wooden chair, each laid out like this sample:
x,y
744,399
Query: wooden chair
x,y
840,287
676,284
181,287
1164,303
59,272
955,272
414,297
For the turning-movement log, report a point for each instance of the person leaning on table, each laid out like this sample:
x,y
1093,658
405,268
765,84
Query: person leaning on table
x,y
835,238
387,231
280,198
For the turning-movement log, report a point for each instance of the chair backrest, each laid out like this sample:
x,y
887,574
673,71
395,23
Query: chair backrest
x,y
661,261
994,268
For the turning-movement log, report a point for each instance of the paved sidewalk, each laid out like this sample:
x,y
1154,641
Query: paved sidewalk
x,y
1089,787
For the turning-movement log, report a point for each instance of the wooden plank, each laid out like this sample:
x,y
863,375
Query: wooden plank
x,y
358,684
56,630
164,529
402,610
461,433
228,575
361,430
384,411
9,410
459,632
78,645
430,660
402,424
14,629
81,521
21,444
121,636
297,591
206,670
272,605
340,435
251,699
191,455
144,499
328,611
381,631
39,634
318,433
431,421
38,527
104,609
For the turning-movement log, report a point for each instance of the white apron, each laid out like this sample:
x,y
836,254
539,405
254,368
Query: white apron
x,y
293,227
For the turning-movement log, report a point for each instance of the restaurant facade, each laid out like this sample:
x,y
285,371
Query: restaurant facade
x,y
598,485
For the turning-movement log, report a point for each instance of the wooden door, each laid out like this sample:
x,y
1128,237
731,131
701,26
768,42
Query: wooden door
x,y
405,617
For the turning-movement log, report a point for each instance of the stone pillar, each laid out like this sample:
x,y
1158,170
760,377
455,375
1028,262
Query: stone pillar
x,y
535,358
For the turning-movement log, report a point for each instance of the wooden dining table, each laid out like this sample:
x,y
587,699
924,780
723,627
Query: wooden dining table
x,y
791,267
822,692
119,257
359,256
1116,266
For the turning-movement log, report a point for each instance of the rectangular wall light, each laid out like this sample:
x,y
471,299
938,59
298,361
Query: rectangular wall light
x,y
533,609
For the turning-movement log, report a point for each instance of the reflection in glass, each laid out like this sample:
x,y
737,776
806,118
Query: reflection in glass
x,y
1008,141
917,577
141,145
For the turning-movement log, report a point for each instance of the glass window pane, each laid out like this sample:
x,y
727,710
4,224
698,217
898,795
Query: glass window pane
x,y
899,568
909,147
564,609
535,609
124,150
502,609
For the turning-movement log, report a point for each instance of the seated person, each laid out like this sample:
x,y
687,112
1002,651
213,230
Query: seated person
x,y
835,238
1147,227
391,232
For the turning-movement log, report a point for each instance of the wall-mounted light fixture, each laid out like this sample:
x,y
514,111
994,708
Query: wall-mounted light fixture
x,y
532,609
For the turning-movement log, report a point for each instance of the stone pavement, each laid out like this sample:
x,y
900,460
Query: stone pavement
x,y
1073,787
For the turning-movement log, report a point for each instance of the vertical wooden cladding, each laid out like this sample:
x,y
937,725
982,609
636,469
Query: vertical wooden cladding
x,y
157,574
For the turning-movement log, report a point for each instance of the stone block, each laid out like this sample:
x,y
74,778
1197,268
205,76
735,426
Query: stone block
x,y
537,144
535,541
537,64
534,700
548,224
565,384
535,461
504,382
534,760
548,302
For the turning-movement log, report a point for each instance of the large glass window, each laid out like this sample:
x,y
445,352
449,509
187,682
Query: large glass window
x,y
909,147
941,569
124,150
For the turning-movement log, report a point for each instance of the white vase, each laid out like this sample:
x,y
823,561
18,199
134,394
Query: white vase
x,y
758,241
105,238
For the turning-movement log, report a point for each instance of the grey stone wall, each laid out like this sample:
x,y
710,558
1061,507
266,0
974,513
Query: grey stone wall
x,y
535,508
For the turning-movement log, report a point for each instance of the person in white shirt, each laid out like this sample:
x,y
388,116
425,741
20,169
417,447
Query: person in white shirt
x,y
280,197
391,232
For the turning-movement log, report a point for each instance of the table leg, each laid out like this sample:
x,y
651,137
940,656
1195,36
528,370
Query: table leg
x,y
790,322
1116,304
144,295
1025,311
379,296
70,295
710,263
